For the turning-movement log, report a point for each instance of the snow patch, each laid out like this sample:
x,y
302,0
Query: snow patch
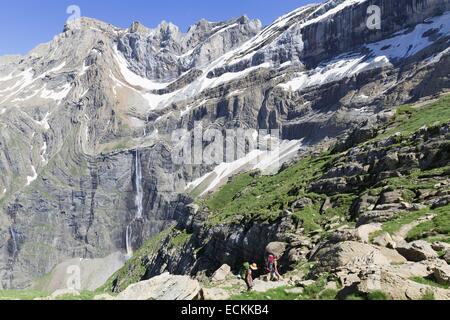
x,y
44,122
44,152
383,53
32,178
132,78
403,45
83,69
266,161
56,95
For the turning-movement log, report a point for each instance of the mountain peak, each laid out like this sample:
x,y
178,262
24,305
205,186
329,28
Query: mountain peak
x,y
86,23
137,27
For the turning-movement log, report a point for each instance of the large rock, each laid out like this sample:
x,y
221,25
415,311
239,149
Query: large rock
x,y
385,240
446,256
222,273
377,216
276,248
363,232
390,197
397,287
263,286
214,294
417,251
349,254
442,274
440,246
163,287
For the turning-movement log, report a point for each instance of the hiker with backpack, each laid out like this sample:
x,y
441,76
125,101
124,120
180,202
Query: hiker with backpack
x,y
272,268
247,274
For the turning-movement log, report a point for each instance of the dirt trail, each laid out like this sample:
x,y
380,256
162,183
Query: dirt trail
x,y
405,229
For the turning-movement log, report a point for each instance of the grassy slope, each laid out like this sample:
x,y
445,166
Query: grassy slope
x,y
265,197
135,268
21,294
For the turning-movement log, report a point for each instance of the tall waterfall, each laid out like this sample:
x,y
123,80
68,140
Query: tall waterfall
x,y
138,183
14,240
138,201
128,241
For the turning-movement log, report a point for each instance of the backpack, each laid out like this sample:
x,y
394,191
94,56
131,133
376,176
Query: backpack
x,y
244,270
270,264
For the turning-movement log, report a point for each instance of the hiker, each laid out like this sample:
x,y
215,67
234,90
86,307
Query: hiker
x,y
275,269
247,274
272,268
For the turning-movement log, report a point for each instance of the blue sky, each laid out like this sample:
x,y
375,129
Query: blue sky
x,y
26,23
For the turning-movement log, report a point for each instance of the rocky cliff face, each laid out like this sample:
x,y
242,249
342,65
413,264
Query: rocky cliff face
x,y
79,113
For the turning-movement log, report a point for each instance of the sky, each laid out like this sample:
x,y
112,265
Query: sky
x,y
26,23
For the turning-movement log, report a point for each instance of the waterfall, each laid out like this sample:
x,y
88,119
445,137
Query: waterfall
x,y
128,241
138,183
139,197
14,240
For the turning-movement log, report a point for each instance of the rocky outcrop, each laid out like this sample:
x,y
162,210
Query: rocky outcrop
x,y
417,251
163,287
399,288
222,273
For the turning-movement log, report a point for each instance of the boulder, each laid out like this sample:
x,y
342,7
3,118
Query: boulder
x,y
412,269
263,286
349,254
296,255
331,286
397,287
302,203
377,216
385,240
222,273
363,232
163,287
393,256
390,197
326,206
305,283
343,235
442,274
441,202
440,246
417,251
446,256
276,248
213,294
